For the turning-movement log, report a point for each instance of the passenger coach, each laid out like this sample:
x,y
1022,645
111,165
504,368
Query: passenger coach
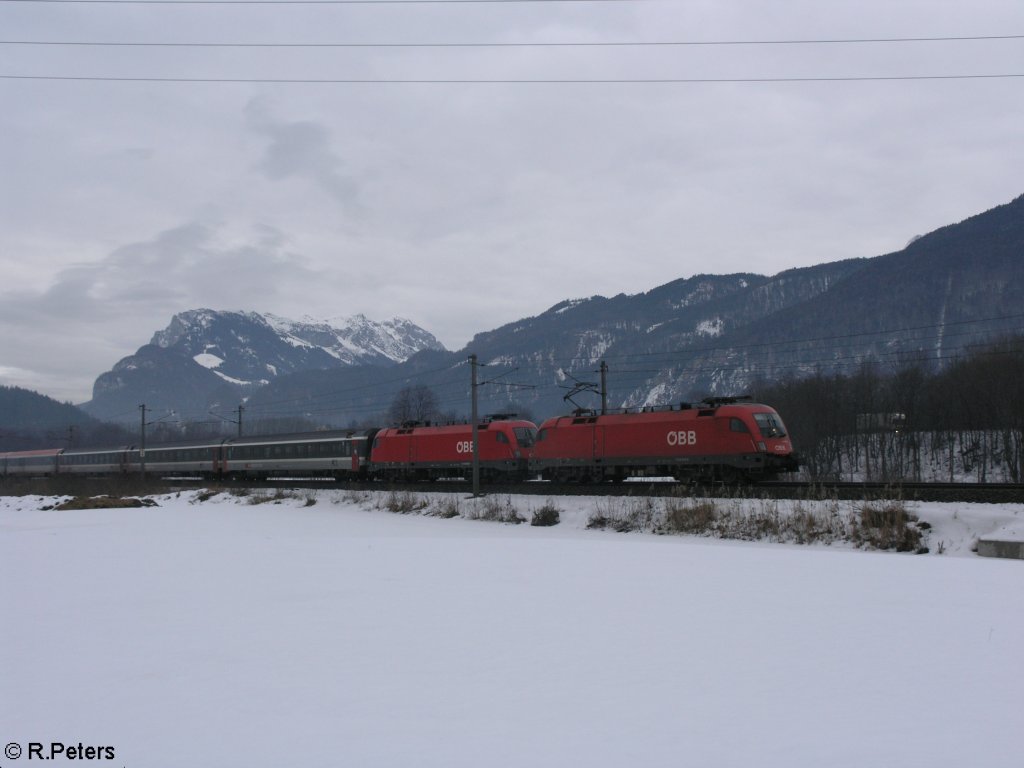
x,y
336,453
117,461
35,463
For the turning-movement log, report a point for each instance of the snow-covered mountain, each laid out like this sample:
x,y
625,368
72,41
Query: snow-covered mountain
x,y
254,348
207,358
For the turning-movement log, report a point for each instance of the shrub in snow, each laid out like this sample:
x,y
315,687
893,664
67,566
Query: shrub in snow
x,y
887,525
447,508
624,514
262,496
876,525
547,515
355,497
499,509
688,516
404,502
104,502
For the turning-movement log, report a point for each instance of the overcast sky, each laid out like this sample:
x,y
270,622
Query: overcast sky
x,y
463,206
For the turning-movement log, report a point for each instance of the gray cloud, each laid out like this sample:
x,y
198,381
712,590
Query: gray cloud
x,y
116,303
302,150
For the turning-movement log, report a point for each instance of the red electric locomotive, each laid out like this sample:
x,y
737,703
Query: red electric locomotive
x,y
424,452
721,439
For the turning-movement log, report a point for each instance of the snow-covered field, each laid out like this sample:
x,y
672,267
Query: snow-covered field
x,y
224,633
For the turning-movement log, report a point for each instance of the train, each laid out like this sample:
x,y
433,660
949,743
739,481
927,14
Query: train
x,y
718,439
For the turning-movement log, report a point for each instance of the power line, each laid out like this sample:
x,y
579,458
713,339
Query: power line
x,y
319,2
564,44
510,81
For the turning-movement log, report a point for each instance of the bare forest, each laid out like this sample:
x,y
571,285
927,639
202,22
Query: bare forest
x,y
963,423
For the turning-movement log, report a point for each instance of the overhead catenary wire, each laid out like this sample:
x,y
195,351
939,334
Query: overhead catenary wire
x,y
356,44
512,81
506,44
321,2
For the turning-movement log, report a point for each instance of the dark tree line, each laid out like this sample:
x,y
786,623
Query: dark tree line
x,y
29,421
963,422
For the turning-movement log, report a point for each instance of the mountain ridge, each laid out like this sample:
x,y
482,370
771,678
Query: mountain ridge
x,y
691,337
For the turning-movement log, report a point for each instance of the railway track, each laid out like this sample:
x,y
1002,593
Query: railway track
x,y
986,493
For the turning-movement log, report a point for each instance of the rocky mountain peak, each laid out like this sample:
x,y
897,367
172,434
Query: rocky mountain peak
x,y
220,352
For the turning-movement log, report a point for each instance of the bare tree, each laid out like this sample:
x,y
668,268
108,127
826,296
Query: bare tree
x,y
416,403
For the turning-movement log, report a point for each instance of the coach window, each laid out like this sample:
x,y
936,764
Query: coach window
x,y
737,425
502,437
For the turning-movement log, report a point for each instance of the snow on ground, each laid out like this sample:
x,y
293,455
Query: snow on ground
x,y
224,633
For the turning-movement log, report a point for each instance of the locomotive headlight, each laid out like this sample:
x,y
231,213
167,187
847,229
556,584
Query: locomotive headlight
x,y
761,447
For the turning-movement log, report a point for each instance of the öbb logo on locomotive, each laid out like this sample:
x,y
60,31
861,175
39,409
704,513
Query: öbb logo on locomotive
x,y
720,439
682,437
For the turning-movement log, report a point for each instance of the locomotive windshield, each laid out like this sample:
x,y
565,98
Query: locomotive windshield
x,y
525,436
770,425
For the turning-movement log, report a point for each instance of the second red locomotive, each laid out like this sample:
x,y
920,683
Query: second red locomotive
x,y
424,452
